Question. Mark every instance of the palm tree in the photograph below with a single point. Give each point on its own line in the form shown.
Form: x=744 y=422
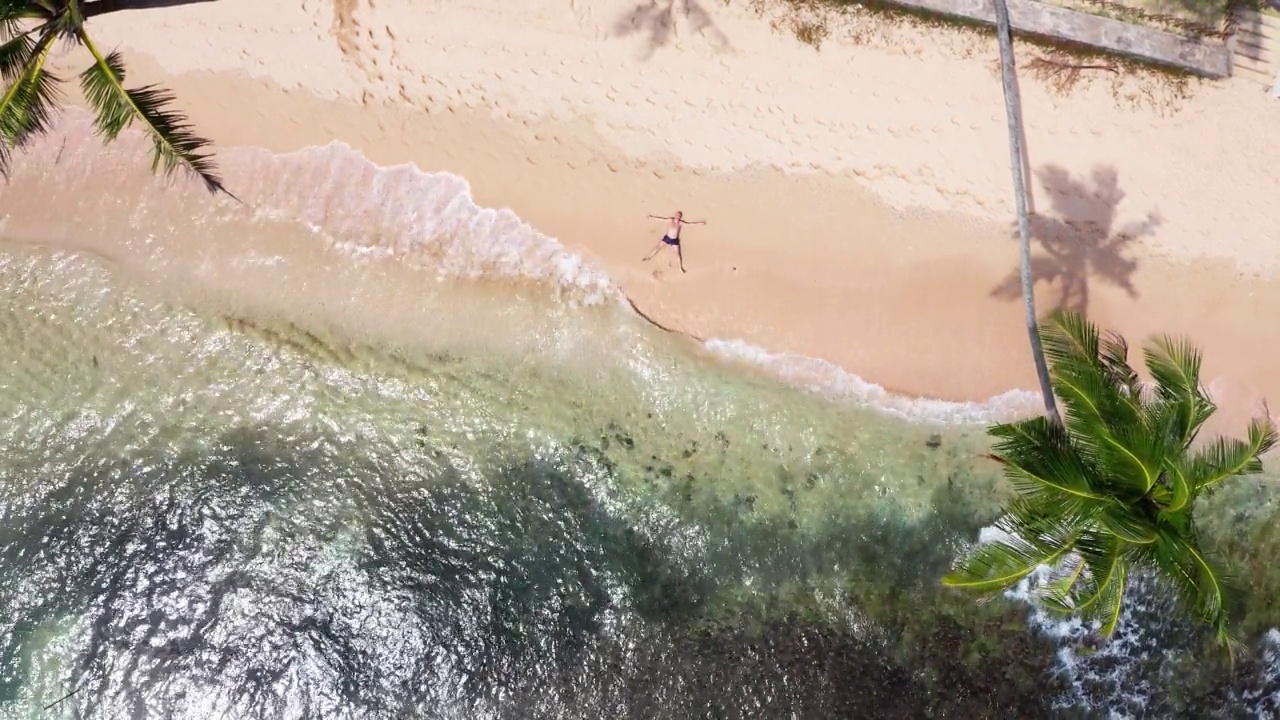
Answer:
x=29 y=30
x=1013 y=112
x=1112 y=489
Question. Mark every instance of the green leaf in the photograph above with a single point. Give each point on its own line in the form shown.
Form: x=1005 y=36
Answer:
x=1090 y=375
x=1037 y=457
x=1101 y=593
x=1112 y=598
x=175 y=144
x=1125 y=457
x=15 y=55
x=1225 y=458
x=1126 y=523
x=1048 y=517
x=1002 y=563
x=1201 y=586
x=1175 y=366
x=1174 y=363
x=13 y=12
x=1181 y=489
x=29 y=103
x=1136 y=451
x=1055 y=595
x=1113 y=353
x=1069 y=338
x=1084 y=389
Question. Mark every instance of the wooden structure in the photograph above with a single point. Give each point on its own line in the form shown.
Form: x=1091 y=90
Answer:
x=1255 y=48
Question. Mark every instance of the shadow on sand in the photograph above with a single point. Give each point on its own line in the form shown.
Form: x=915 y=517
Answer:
x=1082 y=244
x=102 y=7
x=656 y=21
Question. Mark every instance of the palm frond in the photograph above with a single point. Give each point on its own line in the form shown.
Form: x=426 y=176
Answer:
x=1084 y=389
x=1135 y=453
x=24 y=8
x=1099 y=593
x=1112 y=599
x=1225 y=458
x=1056 y=594
x=13 y=12
x=1038 y=457
x=1128 y=524
x=1002 y=563
x=1125 y=456
x=30 y=101
x=1069 y=338
x=1178 y=489
x=1049 y=519
x=15 y=55
x=175 y=144
x=1113 y=353
x=1090 y=374
x=1169 y=421
x=1201 y=586
x=1175 y=365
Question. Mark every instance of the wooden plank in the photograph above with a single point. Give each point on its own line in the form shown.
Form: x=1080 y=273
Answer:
x=1207 y=58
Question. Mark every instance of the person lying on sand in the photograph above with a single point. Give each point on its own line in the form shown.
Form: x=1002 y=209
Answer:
x=672 y=236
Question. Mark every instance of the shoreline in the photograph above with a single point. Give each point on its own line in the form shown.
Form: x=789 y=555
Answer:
x=797 y=258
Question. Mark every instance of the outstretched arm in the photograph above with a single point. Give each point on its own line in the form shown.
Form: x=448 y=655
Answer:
x=661 y=217
x=693 y=222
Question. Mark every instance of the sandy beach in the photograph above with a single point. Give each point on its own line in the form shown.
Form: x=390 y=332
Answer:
x=857 y=196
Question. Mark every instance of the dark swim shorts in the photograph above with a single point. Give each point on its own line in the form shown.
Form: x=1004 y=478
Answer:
x=670 y=241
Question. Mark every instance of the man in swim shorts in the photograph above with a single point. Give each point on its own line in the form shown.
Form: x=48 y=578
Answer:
x=672 y=236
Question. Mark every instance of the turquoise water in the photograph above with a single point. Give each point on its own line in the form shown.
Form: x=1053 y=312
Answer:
x=247 y=473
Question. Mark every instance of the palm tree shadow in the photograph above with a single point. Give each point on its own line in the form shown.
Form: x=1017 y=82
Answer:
x=1082 y=244
x=100 y=7
x=656 y=20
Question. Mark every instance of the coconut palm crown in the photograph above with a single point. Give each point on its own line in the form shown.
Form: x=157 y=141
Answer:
x=1113 y=487
x=29 y=30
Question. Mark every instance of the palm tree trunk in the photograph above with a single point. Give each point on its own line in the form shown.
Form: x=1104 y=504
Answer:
x=1012 y=106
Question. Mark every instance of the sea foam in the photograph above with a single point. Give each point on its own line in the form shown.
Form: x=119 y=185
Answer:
x=827 y=378
x=401 y=211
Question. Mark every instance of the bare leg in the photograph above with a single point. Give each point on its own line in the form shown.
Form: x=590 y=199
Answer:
x=680 y=254
x=653 y=252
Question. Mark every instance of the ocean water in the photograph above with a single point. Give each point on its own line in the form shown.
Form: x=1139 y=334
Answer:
x=361 y=449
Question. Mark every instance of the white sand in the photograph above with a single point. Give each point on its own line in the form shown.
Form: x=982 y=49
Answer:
x=724 y=90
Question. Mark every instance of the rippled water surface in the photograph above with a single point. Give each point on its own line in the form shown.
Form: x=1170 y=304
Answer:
x=200 y=519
